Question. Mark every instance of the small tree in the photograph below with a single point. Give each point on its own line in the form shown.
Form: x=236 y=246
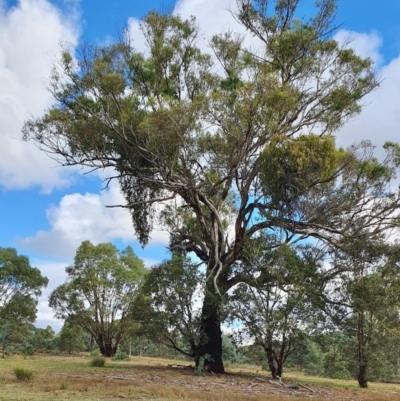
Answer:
x=170 y=304
x=99 y=291
x=71 y=338
x=42 y=339
x=20 y=286
x=366 y=297
x=274 y=305
x=6 y=335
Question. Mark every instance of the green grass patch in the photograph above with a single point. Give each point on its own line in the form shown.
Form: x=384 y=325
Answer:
x=23 y=374
x=98 y=362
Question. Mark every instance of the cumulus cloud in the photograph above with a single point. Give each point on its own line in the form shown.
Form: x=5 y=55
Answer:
x=379 y=120
x=365 y=44
x=55 y=272
x=212 y=16
x=80 y=217
x=30 y=37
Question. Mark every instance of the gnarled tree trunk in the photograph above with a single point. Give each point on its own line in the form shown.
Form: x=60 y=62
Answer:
x=210 y=347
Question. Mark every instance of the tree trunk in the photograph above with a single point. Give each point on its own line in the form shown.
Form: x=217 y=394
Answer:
x=107 y=349
x=210 y=347
x=110 y=350
x=362 y=376
x=279 y=369
x=271 y=363
x=362 y=352
x=362 y=367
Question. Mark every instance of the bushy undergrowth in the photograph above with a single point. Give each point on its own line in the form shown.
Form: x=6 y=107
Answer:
x=22 y=374
x=98 y=361
x=27 y=349
x=121 y=356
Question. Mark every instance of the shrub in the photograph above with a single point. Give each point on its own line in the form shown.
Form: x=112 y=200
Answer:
x=10 y=350
x=121 y=356
x=334 y=365
x=23 y=375
x=95 y=352
x=27 y=349
x=98 y=362
x=202 y=365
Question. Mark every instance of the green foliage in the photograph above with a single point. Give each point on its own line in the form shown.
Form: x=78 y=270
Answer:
x=23 y=374
x=369 y=287
x=98 y=294
x=314 y=360
x=71 y=338
x=121 y=356
x=291 y=166
x=335 y=366
x=98 y=362
x=253 y=354
x=166 y=308
x=230 y=353
x=202 y=365
x=275 y=302
x=20 y=286
x=6 y=335
x=27 y=349
x=95 y=352
x=42 y=339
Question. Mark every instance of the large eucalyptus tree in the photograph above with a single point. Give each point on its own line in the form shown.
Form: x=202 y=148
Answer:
x=178 y=124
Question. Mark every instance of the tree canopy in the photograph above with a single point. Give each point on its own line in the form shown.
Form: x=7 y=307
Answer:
x=364 y=299
x=20 y=286
x=169 y=305
x=99 y=291
x=276 y=304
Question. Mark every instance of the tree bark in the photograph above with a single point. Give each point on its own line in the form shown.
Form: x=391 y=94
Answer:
x=271 y=362
x=279 y=369
x=362 y=376
x=108 y=350
x=362 y=353
x=210 y=347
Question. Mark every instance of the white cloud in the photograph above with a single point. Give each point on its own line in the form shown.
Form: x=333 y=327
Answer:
x=55 y=272
x=136 y=36
x=379 y=120
x=85 y=217
x=30 y=38
x=365 y=44
x=212 y=16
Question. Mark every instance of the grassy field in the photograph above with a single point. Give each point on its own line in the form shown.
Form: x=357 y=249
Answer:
x=72 y=378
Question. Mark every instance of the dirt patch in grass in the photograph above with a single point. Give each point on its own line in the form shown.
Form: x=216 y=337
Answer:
x=72 y=378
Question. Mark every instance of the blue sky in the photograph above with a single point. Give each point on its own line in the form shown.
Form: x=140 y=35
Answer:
x=45 y=210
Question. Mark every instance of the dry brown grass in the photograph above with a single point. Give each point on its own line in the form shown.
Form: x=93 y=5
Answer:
x=71 y=378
